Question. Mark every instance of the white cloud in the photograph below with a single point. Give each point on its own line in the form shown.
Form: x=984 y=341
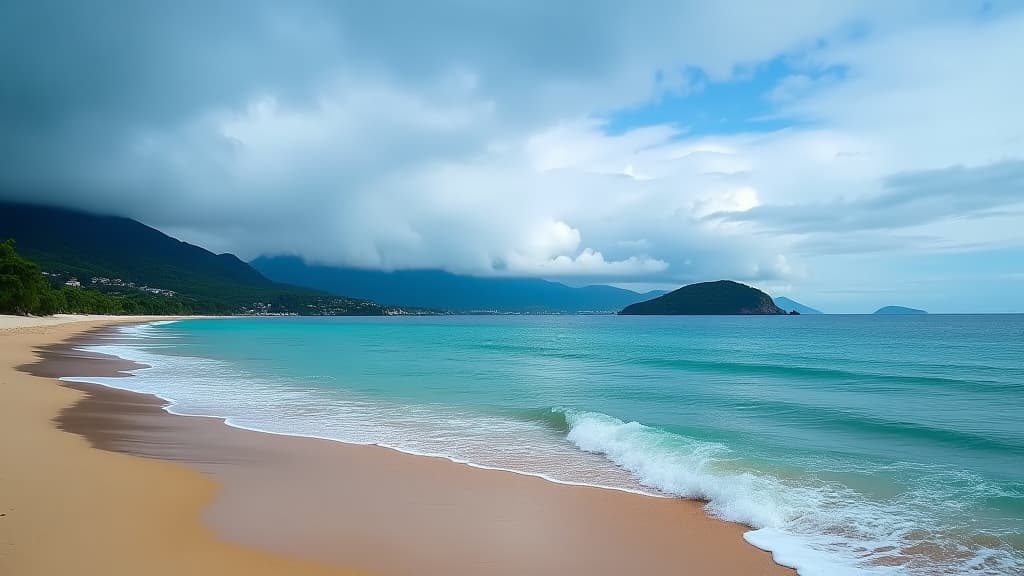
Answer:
x=586 y=263
x=740 y=199
x=946 y=99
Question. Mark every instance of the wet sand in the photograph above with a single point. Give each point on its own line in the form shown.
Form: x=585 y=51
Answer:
x=379 y=511
x=67 y=508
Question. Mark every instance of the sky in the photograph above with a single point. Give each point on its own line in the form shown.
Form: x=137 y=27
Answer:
x=848 y=155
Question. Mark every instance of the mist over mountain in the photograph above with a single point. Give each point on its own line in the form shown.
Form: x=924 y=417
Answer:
x=117 y=254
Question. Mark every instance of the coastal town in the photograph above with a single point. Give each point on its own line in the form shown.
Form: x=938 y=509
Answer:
x=104 y=282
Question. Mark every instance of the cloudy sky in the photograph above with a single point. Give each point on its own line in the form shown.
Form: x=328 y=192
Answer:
x=848 y=155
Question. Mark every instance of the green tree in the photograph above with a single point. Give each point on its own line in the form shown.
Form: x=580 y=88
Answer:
x=23 y=290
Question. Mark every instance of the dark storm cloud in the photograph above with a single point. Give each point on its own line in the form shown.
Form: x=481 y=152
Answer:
x=453 y=134
x=346 y=132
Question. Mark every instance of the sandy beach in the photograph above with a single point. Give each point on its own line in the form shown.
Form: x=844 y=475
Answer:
x=100 y=481
x=70 y=509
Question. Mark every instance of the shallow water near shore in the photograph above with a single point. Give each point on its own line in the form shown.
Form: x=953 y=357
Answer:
x=850 y=444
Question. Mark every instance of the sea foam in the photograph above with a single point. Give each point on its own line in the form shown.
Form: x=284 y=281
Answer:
x=694 y=469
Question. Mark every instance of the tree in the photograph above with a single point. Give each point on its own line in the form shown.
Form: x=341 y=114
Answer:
x=23 y=290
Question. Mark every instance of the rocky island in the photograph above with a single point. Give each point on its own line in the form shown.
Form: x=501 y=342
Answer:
x=723 y=297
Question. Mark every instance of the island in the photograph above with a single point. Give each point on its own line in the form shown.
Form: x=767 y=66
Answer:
x=723 y=297
x=898 y=310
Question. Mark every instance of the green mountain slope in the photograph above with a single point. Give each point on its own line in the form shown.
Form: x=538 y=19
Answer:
x=125 y=256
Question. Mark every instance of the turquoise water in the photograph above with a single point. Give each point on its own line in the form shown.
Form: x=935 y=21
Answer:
x=850 y=444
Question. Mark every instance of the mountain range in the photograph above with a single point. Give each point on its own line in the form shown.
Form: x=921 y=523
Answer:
x=116 y=254
x=446 y=291
x=119 y=255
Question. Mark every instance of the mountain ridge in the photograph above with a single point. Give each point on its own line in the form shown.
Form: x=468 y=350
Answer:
x=126 y=255
x=448 y=291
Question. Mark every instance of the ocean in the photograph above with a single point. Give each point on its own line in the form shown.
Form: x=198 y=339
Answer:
x=849 y=444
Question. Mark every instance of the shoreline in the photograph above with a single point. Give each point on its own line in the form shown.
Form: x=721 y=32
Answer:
x=67 y=508
x=380 y=510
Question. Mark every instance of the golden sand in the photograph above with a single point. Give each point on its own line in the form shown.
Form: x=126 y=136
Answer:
x=71 y=509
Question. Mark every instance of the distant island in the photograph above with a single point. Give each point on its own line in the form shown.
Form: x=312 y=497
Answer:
x=723 y=297
x=790 y=304
x=898 y=310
